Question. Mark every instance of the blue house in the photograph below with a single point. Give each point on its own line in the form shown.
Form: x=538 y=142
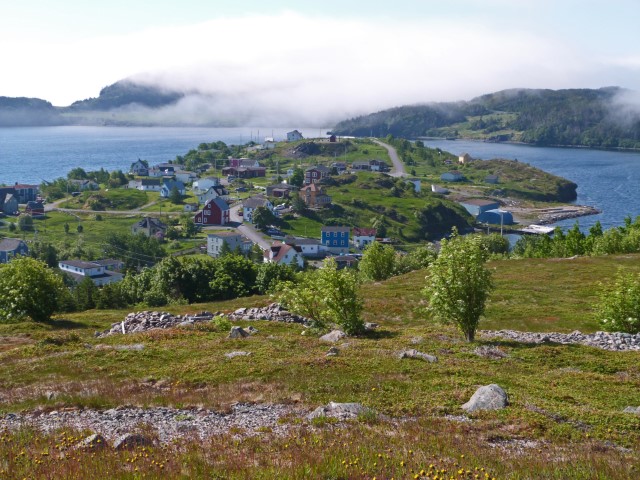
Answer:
x=168 y=185
x=453 y=176
x=496 y=217
x=10 y=247
x=335 y=239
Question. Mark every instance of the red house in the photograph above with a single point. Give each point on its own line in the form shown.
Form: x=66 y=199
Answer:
x=215 y=212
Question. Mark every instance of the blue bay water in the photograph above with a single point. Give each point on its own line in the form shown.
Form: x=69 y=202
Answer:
x=33 y=154
x=607 y=180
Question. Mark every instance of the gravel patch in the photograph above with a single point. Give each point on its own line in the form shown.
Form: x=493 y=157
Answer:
x=605 y=340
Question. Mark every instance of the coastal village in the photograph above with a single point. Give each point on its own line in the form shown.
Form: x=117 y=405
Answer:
x=237 y=206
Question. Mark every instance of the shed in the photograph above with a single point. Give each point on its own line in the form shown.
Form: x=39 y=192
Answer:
x=476 y=206
x=496 y=217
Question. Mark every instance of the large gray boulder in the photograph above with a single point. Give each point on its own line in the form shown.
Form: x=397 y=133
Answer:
x=238 y=332
x=489 y=397
x=341 y=411
x=413 y=353
x=333 y=336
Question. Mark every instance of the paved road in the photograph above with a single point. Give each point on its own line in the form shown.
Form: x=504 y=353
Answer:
x=398 y=167
x=246 y=229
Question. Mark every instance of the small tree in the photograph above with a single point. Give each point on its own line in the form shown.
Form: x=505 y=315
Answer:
x=618 y=308
x=262 y=217
x=25 y=223
x=297 y=178
x=66 y=227
x=85 y=294
x=29 y=288
x=378 y=262
x=80 y=228
x=174 y=195
x=459 y=284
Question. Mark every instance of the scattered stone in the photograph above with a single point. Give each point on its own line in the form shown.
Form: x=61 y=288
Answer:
x=274 y=313
x=252 y=330
x=487 y=351
x=131 y=440
x=369 y=326
x=92 y=442
x=333 y=351
x=237 y=354
x=488 y=397
x=135 y=347
x=417 y=340
x=238 y=332
x=634 y=410
x=616 y=341
x=341 y=411
x=333 y=336
x=49 y=395
x=413 y=353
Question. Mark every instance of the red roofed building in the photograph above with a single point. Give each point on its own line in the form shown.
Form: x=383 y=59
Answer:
x=363 y=236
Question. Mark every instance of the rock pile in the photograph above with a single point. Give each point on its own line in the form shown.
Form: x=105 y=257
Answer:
x=413 y=353
x=341 y=411
x=274 y=312
x=149 y=320
x=603 y=340
x=119 y=425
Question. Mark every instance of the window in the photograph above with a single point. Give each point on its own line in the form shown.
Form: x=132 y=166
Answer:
x=335 y=242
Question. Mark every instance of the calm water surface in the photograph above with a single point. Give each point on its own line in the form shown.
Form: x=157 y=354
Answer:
x=33 y=154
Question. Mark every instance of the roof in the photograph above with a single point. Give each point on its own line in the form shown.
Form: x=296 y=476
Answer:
x=364 y=232
x=305 y=241
x=80 y=264
x=336 y=229
x=173 y=183
x=320 y=168
x=146 y=222
x=480 y=202
x=255 y=202
x=150 y=181
x=280 y=250
x=23 y=186
x=312 y=187
x=226 y=233
x=218 y=202
x=453 y=172
x=108 y=261
x=10 y=244
x=31 y=205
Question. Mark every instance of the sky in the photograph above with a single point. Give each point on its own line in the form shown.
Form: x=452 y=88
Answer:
x=330 y=58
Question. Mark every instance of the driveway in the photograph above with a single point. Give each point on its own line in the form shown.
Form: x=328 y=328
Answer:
x=398 y=167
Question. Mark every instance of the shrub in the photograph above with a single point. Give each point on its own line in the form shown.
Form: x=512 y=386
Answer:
x=619 y=304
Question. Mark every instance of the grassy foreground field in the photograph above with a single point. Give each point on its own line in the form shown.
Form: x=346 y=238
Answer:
x=565 y=419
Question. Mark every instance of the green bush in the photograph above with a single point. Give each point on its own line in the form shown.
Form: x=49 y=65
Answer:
x=619 y=304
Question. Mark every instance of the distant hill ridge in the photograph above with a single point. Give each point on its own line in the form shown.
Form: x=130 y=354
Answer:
x=573 y=117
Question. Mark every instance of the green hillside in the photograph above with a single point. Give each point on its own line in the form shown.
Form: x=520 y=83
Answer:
x=573 y=117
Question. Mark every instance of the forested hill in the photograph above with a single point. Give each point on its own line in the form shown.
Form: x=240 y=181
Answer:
x=576 y=117
x=22 y=111
x=125 y=93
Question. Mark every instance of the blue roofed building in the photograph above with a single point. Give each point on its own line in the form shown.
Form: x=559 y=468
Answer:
x=495 y=217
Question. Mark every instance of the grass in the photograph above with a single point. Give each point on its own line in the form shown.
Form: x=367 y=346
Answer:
x=565 y=419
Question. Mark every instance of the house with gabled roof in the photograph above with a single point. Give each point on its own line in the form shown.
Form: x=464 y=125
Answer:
x=314 y=197
x=294 y=136
x=316 y=174
x=213 y=192
x=362 y=237
x=284 y=254
x=26 y=193
x=35 y=209
x=139 y=168
x=335 y=239
x=12 y=247
x=233 y=239
x=8 y=201
x=251 y=203
x=214 y=212
x=168 y=185
x=99 y=274
x=149 y=226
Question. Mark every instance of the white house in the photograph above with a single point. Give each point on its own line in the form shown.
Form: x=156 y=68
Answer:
x=146 y=184
x=211 y=193
x=185 y=176
x=139 y=168
x=234 y=240
x=464 y=158
x=309 y=247
x=201 y=185
x=362 y=237
x=251 y=203
x=294 y=136
x=98 y=271
x=168 y=185
x=284 y=254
